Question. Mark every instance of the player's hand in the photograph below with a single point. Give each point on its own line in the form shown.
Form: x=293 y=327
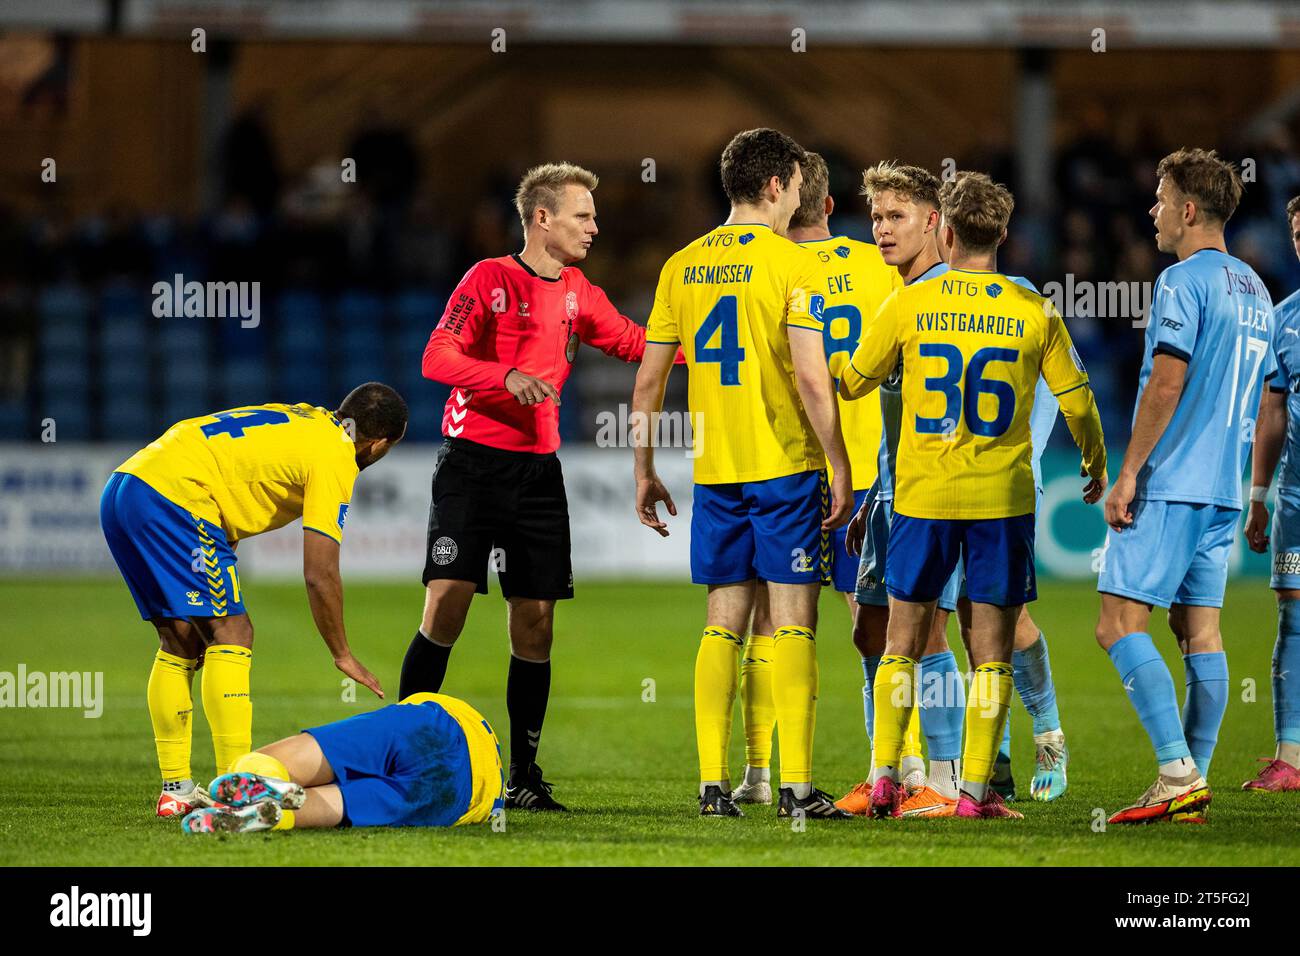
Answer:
x=649 y=492
x=529 y=390
x=1093 y=489
x=856 y=533
x=1121 y=495
x=1257 y=527
x=841 y=503
x=357 y=671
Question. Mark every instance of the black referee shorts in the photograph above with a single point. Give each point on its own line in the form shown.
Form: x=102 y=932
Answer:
x=501 y=509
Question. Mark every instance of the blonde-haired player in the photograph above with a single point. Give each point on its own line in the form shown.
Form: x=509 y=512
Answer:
x=973 y=344
x=853 y=280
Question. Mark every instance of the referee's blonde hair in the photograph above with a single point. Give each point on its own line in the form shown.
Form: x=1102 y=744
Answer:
x=542 y=186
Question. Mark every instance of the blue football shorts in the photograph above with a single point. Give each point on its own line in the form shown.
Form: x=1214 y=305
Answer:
x=997 y=555
x=762 y=529
x=175 y=563
x=870 y=584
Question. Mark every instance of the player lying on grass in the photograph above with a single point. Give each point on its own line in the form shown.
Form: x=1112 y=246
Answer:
x=1277 y=435
x=853 y=281
x=428 y=761
x=973 y=344
x=1177 y=498
x=739 y=302
x=172 y=515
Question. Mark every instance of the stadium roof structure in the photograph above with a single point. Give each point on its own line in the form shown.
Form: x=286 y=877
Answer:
x=1001 y=23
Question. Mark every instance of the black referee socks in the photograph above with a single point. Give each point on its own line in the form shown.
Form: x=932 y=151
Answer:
x=423 y=668
x=528 y=687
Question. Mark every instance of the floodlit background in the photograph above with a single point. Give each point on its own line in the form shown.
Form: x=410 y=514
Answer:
x=136 y=150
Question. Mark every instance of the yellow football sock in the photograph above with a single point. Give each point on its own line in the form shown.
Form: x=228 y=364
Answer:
x=286 y=820
x=171 y=709
x=986 y=713
x=912 y=736
x=894 y=700
x=794 y=693
x=756 y=699
x=226 y=702
x=716 y=674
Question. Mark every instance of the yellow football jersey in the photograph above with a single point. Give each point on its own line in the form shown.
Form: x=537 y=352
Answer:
x=727 y=298
x=973 y=345
x=854 y=281
x=255 y=468
x=484 y=756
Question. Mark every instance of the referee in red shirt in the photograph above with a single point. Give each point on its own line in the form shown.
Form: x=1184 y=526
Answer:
x=506 y=344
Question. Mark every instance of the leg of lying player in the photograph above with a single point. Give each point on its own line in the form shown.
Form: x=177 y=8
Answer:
x=992 y=636
x=528 y=689
x=894 y=697
x=1033 y=679
x=716 y=668
x=1179 y=786
x=870 y=624
x=794 y=693
x=1283 y=771
x=431 y=760
x=171 y=710
x=446 y=605
x=941 y=704
x=758 y=713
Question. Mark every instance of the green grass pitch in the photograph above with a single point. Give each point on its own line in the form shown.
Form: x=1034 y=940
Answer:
x=77 y=791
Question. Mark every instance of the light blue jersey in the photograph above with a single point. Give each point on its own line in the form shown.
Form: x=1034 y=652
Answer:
x=1286 y=346
x=1214 y=312
x=1041 y=421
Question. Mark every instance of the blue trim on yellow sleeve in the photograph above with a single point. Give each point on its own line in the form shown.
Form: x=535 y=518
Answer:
x=1073 y=388
x=663 y=342
x=338 y=540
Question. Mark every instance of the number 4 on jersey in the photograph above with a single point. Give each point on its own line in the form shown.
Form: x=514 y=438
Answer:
x=723 y=320
x=234 y=423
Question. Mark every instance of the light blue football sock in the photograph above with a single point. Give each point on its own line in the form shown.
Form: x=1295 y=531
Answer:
x=1204 y=707
x=869 y=665
x=1032 y=675
x=1004 y=748
x=943 y=705
x=1286 y=673
x=943 y=697
x=1151 y=692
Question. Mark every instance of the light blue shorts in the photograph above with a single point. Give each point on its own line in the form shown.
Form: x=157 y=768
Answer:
x=1285 y=537
x=1175 y=552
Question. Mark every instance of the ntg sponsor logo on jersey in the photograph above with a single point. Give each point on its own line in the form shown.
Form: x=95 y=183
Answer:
x=208 y=300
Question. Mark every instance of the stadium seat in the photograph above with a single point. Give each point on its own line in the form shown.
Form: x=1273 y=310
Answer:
x=243 y=382
x=129 y=418
x=64 y=375
x=71 y=415
x=16 y=424
x=417 y=310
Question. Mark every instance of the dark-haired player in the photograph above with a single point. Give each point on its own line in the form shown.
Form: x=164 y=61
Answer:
x=742 y=300
x=172 y=515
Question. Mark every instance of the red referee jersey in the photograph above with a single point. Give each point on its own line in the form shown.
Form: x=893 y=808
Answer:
x=504 y=316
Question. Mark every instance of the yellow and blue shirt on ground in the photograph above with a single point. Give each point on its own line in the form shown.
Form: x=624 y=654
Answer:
x=732 y=299
x=429 y=760
x=973 y=345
